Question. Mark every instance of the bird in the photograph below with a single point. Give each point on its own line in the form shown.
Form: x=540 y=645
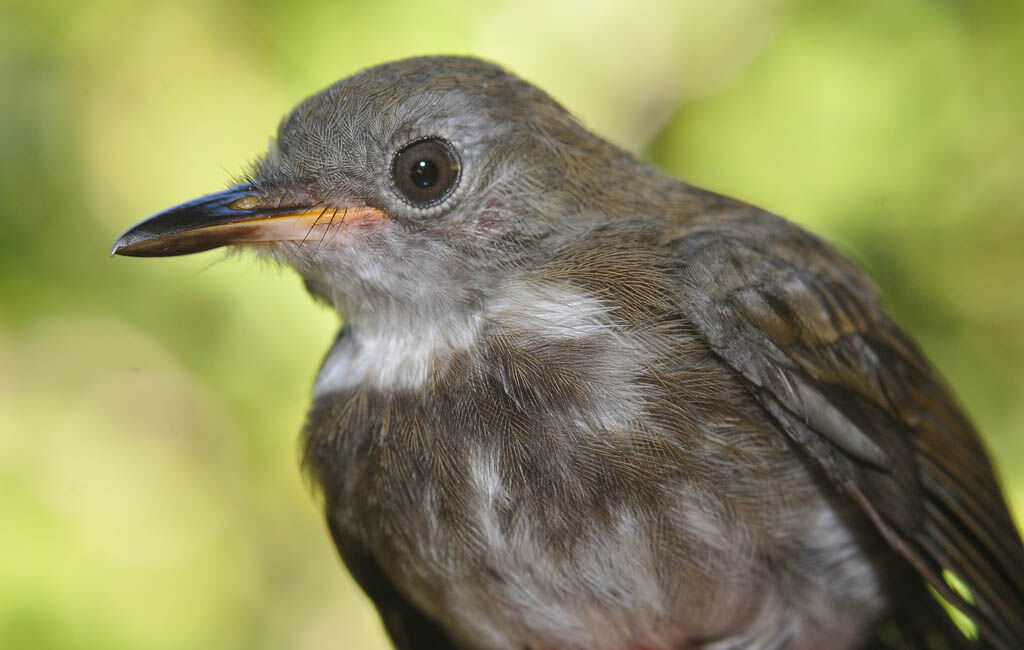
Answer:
x=577 y=403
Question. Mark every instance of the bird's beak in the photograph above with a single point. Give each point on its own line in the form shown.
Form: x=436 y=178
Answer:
x=236 y=215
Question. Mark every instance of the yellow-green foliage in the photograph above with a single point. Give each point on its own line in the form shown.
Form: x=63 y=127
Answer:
x=149 y=487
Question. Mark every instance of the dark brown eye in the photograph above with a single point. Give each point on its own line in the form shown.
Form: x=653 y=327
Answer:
x=425 y=172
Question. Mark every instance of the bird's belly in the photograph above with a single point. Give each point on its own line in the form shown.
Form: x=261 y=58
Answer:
x=619 y=586
x=519 y=594
x=513 y=585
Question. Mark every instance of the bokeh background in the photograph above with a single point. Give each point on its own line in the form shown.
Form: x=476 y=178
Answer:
x=149 y=489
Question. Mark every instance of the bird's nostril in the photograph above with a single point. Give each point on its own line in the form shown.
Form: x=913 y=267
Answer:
x=247 y=202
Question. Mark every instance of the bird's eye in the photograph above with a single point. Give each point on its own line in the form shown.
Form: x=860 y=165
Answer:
x=425 y=172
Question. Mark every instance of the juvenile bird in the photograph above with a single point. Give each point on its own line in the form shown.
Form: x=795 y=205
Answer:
x=576 y=403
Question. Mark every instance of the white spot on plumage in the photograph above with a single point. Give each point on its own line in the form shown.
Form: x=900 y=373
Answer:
x=392 y=357
x=547 y=310
x=486 y=480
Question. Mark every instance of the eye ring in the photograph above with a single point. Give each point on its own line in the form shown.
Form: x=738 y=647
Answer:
x=426 y=172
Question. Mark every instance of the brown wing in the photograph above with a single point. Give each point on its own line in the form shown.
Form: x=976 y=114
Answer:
x=805 y=330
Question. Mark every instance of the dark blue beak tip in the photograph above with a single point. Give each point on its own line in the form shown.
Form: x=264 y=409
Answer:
x=173 y=231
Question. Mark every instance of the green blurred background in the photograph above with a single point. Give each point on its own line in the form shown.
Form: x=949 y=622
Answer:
x=149 y=489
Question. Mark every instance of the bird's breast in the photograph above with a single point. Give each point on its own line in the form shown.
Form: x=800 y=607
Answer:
x=558 y=479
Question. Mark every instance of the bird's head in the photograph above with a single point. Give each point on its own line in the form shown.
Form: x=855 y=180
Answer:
x=421 y=182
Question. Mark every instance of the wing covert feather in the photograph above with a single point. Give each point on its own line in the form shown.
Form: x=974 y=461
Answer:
x=804 y=328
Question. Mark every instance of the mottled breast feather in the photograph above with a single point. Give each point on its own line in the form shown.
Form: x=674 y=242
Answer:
x=569 y=479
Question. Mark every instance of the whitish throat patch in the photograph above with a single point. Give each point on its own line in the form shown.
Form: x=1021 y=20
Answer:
x=402 y=353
